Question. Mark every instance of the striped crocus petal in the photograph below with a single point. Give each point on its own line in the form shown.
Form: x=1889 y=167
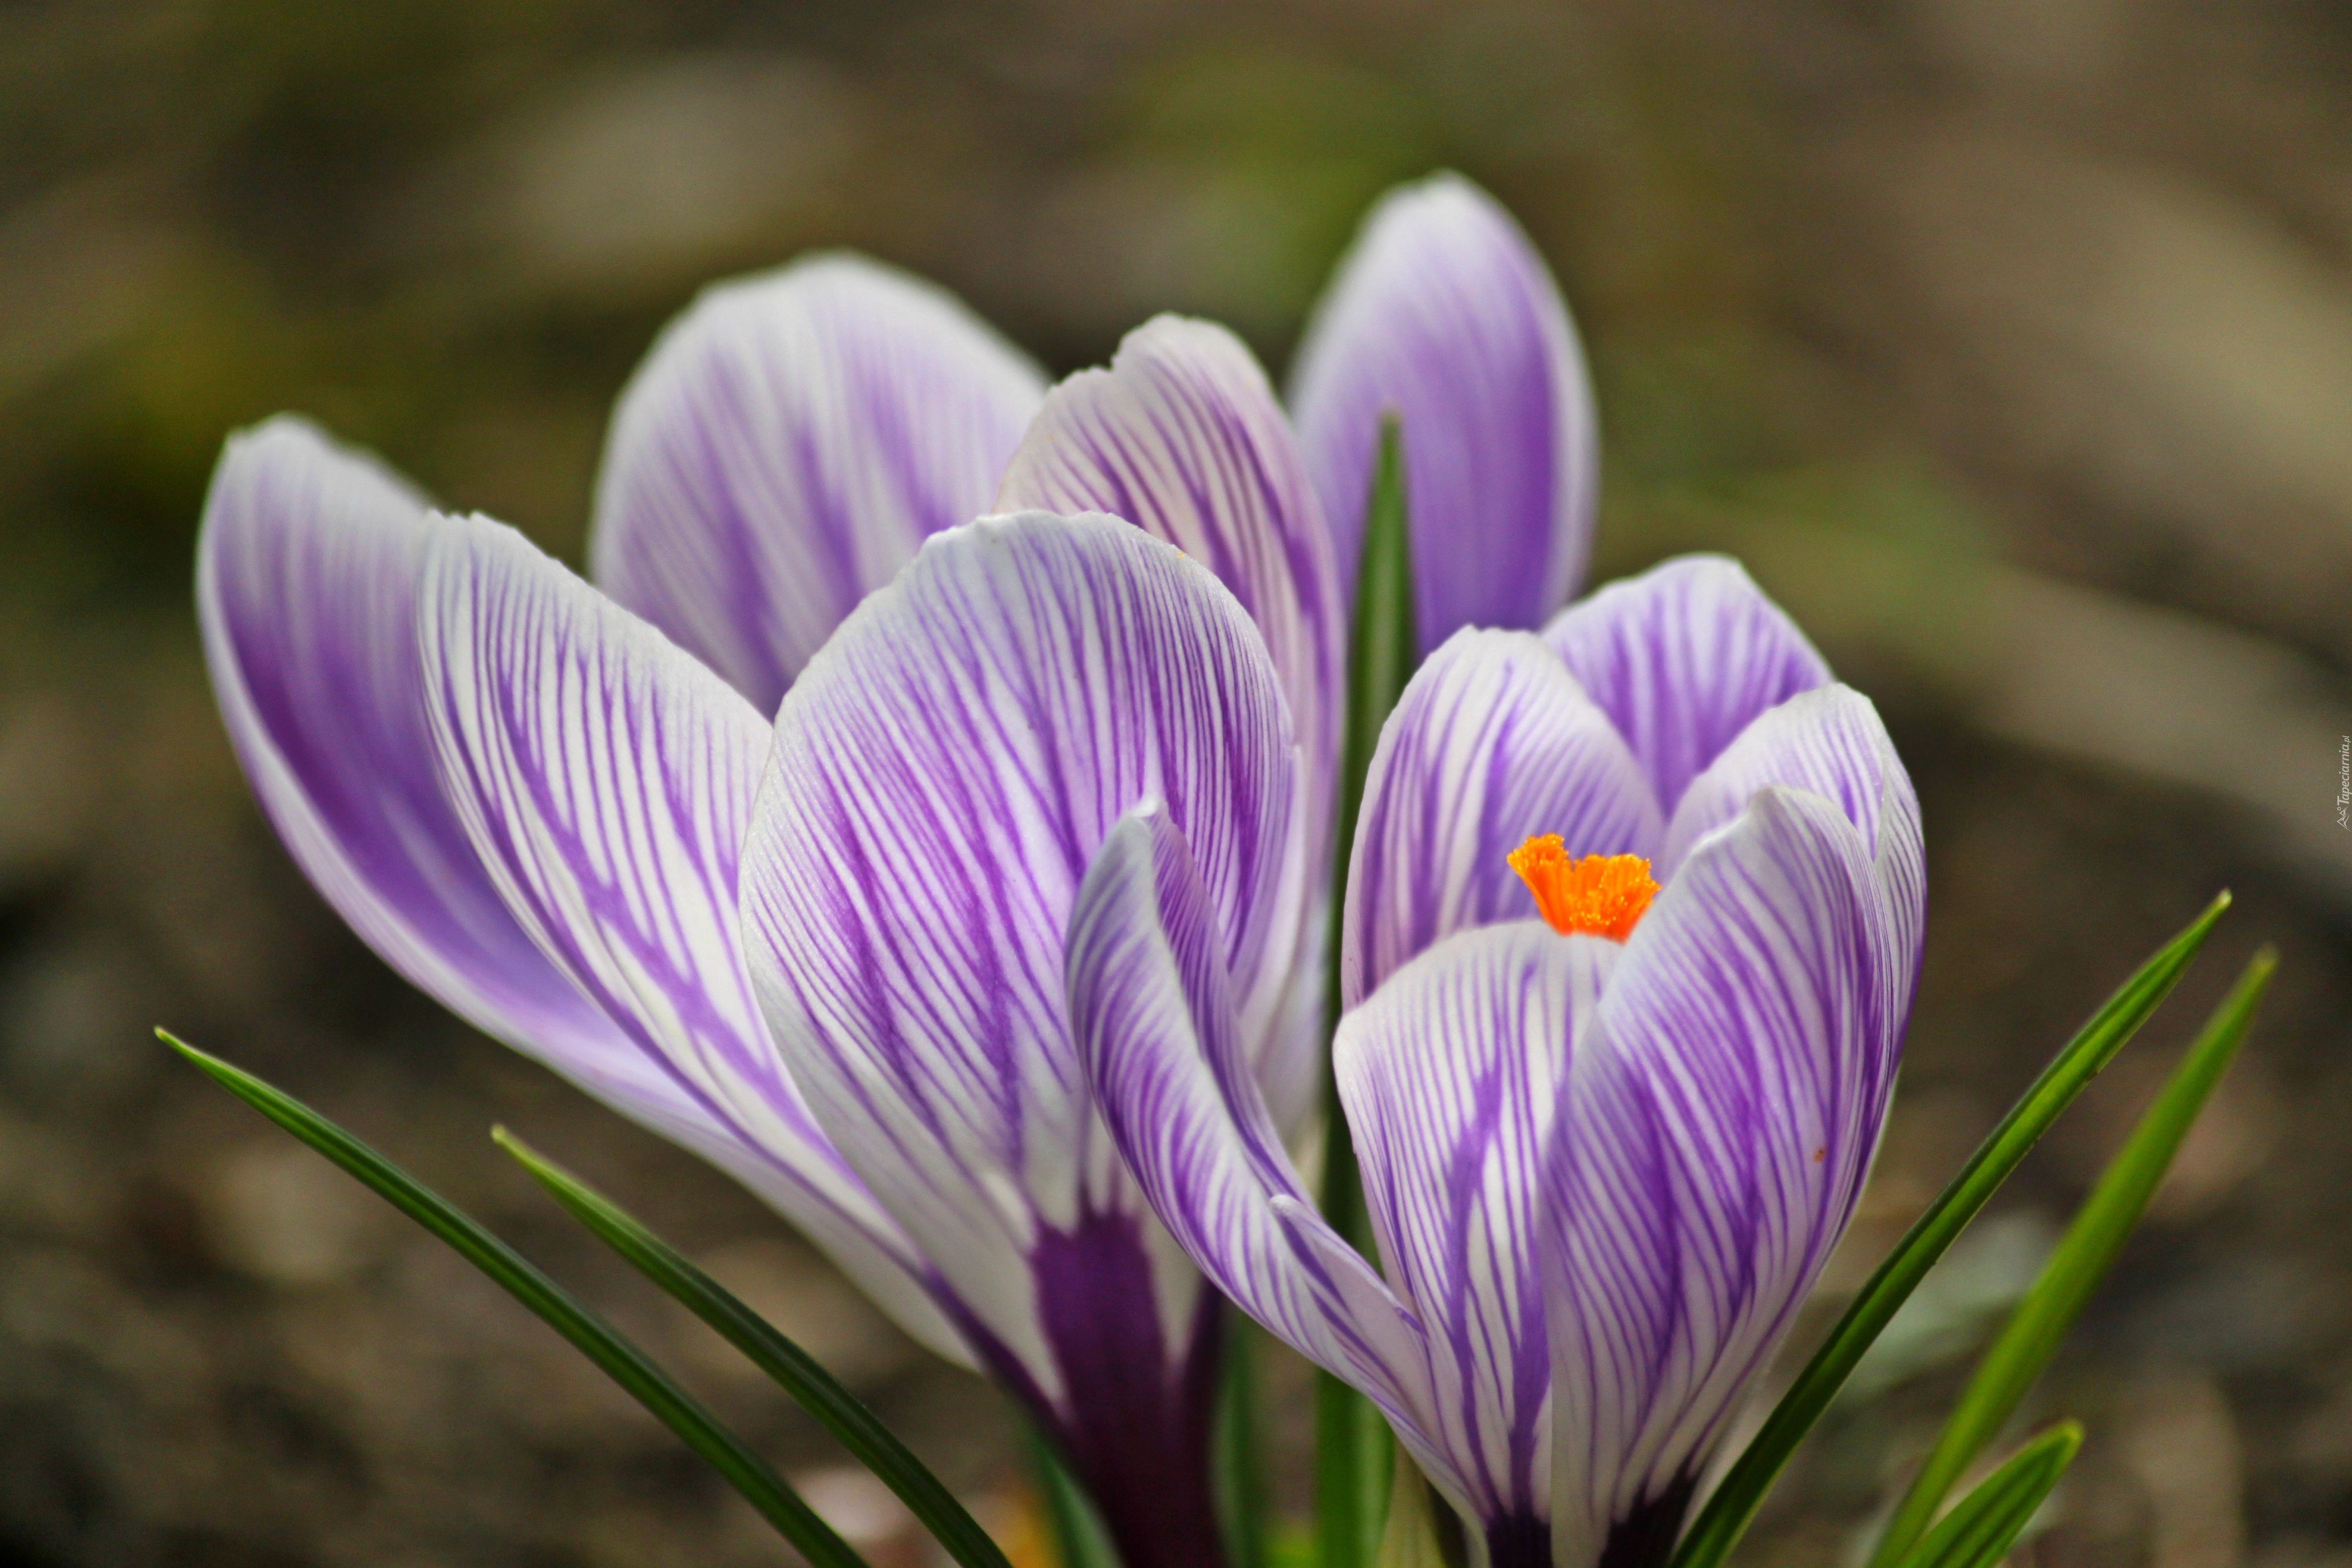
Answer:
x=1710 y=1143
x=1493 y=742
x=1152 y=1009
x=1182 y=436
x=1682 y=659
x=1450 y=1075
x=1831 y=741
x=788 y=442
x=941 y=776
x=1445 y=316
x=306 y=586
x=605 y=780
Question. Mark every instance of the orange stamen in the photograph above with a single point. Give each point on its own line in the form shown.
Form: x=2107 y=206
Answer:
x=1605 y=896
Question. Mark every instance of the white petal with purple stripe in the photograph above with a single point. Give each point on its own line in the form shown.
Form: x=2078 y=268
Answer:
x=784 y=449
x=1712 y=1139
x=1151 y=1008
x=605 y=778
x=1444 y=315
x=1182 y=437
x=306 y=590
x=1450 y=1075
x=1831 y=741
x=941 y=776
x=1682 y=659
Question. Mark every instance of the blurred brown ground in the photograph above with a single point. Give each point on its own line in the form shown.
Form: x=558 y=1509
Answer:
x=2010 y=341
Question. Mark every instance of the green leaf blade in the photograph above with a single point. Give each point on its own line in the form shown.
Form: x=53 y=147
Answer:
x=1982 y=1528
x=1351 y=1441
x=1239 y=1456
x=611 y=1351
x=792 y=1369
x=1734 y=1503
x=1384 y=637
x=2106 y=1218
x=1080 y=1539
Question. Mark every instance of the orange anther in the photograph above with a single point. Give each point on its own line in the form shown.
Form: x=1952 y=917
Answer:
x=1605 y=896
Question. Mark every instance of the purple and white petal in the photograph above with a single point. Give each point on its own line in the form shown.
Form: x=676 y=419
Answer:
x=1902 y=864
x=306 y=587
x=1152 y=1009
x=1682 y=659
x=787 y=445
x=1182 y=436
x=1450 y=1075
x=605 y=780
x=1444 y=315
x=1712 y=1139
x=941 y=776
x=1493 y=742
x=1829 y=740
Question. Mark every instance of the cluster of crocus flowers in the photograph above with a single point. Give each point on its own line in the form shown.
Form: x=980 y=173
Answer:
x=926 y=816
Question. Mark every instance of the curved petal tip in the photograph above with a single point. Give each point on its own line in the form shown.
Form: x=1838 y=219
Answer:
x=1445 y=315
x=789 y=442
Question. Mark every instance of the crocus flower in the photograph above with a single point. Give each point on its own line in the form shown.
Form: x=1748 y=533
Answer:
x=536 y=799
x=1606 y=1150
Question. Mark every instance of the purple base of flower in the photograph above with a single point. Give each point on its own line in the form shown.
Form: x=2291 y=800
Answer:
x=1518 y=1541
x=1137 y=1438
x=1645 y=1537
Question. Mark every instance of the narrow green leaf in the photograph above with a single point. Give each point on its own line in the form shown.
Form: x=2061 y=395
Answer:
x=1240 y=1461
x=2106 y=1218
x=1984 y=1525
x=1351 y=1453
x=621 y=1360
x=1385 y=640
x=1352 y=1446
x=1727 y=1513
x=811 y=1387
x=1080 y=1540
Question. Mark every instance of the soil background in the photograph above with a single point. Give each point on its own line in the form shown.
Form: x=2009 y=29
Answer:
x=2010 y=342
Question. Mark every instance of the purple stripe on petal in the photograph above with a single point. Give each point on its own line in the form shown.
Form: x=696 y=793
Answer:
x=1153 y=1011
x=941 y=776
x=605 y=778
x=1711 y=1142
x=787 y=445
x=1445 y=315
x=1493 y=742
x=1682 y=659
x=1450 y=1075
